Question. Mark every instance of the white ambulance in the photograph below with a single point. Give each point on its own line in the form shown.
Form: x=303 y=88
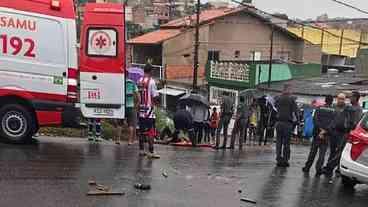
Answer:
x=43 y=74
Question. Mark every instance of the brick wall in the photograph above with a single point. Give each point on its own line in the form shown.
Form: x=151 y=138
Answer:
x=182 y=71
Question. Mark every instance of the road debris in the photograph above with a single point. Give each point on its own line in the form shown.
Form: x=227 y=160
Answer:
x=164 y=173
x=102 y=188
x=140 y=186
x=92 y=182
x=248 y=200
x=103 y=193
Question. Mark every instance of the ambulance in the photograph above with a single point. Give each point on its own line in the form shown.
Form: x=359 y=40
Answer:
x=46 y=77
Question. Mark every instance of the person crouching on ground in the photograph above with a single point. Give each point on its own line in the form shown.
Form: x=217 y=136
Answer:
x=183 y=121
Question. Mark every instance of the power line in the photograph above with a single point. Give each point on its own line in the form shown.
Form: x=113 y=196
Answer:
x=295 y=22
x=350 y=6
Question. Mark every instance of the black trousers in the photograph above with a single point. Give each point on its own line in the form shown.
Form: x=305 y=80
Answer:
x=284 y=131
x=224 y=124
x=198 y=131
x=239 y=130
x=318 y=146
x=337 y=146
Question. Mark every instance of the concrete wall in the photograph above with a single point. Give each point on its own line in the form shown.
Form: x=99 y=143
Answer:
x=240 y=32
x=246 y=34
x=312 y=53
x=178 y=54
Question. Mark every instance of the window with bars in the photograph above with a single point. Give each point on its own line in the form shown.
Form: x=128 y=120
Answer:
x=216 y=95
x=229 y=71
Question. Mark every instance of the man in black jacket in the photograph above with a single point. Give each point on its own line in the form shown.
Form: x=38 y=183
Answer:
x=340 y=126
x=286 y=111
x=183 y=120
x=322 y=118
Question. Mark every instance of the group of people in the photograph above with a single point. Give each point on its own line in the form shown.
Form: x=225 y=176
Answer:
x=141 y=99
x=332 y=124
x=200 y=123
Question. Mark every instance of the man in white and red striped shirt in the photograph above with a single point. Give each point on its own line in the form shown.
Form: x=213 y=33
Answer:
x=148 y=96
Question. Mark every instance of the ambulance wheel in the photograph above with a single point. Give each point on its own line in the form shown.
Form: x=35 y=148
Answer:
x=16 y=124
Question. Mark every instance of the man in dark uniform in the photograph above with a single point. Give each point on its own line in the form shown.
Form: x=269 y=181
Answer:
x=322 y=118
x=286 y=111
x=241 y=122
x=339 y=128
x=227 y=108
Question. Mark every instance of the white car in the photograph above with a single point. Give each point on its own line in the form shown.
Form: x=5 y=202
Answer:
x=354 y=160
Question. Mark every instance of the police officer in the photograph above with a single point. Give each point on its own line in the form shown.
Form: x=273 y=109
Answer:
x=286 y=111
x=322 y=118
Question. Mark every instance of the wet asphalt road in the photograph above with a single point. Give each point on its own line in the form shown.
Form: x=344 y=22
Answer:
x=55 y=172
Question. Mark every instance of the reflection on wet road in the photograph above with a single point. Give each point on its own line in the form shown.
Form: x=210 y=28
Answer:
x=55 y=172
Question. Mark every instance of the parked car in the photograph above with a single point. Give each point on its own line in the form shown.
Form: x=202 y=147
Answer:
x=354 y=160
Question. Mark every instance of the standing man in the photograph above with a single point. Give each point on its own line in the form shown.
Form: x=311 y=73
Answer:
x=227 y=108
x=356 y=108
x=340 y=127
x=322 y=118
x=200 y=114
x=286 y=111
x=347 y=117
x=148 y=99
x=241 y=122
x=132 y=104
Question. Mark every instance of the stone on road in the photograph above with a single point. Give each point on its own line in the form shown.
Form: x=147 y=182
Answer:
x=56 y=172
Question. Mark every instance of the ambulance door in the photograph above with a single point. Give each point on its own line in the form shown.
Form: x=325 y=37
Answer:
x=102 y=78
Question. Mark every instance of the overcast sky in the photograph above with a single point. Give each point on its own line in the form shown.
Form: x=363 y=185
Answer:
x=311 y=8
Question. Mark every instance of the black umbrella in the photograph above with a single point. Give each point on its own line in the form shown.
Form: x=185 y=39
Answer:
x=192 y=99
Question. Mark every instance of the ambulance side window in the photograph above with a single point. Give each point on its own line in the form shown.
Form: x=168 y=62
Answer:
x=102 y=42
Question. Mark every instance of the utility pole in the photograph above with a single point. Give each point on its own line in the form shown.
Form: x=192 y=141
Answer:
x=271 y=57
x=341 y=41
x=196 y=47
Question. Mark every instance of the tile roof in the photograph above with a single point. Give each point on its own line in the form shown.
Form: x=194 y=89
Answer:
x=155 y=37
x=175 y=27
x=205 y=17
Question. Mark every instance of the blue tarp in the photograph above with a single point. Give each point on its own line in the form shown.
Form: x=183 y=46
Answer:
x=308 y=123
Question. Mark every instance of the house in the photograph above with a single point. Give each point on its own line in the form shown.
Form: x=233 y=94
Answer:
x=339 y=46
x=242 y=33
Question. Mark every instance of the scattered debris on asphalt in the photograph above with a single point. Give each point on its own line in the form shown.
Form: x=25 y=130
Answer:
x=104 y=193
x=92 y=182
x=140 y=186
x=102 y=188
x=164 y=173
x=248 y=200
